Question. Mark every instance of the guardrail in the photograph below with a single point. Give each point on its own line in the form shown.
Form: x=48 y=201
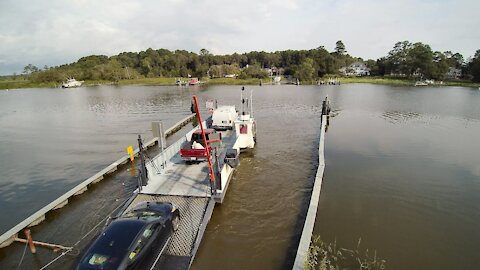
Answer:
x=173 y=149
x=8 y=237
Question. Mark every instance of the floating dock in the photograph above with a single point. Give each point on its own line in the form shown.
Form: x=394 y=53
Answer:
x=305 y=239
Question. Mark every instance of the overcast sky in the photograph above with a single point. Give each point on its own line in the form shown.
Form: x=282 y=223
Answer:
x=55 y=32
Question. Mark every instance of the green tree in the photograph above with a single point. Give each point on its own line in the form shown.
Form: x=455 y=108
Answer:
x=420 y=59
x=440 y=65
x=374 y=68
x=474 y=66
x=305 y=71
x=215 y=71
x=253 y=71
x=340 y=47
x=29 y=69
x=396 y=61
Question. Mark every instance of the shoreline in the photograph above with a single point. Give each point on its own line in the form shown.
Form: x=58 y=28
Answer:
x=167 y=81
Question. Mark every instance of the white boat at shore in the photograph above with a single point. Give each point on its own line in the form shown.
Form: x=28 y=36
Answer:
x=70 y=83
x=420 y=83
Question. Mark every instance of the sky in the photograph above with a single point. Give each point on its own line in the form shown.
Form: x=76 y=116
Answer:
x=55 y=32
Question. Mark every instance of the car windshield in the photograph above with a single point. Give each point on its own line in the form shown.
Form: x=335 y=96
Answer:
x=111 y=247
x=143 y=215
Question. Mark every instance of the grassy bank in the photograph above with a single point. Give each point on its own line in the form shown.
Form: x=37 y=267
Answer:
x=14 y=84
x=171 y=81
x=403 y=82
x=149 y=81
x=25 y=83
x=378 y=80
x=230 y=81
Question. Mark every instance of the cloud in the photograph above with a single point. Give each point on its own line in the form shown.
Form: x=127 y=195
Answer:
x=57 y=31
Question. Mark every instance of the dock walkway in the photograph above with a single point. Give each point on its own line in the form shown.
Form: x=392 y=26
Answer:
x=303 y=246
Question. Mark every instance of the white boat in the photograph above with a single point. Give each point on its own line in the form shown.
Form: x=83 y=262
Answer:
x=72 y=83
x=245 y=125
x=420 y=83
x=180 y=82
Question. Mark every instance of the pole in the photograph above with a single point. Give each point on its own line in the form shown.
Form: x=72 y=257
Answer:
x=143 y=169
x=52 y=246
x=30 y=241
x=212 y=176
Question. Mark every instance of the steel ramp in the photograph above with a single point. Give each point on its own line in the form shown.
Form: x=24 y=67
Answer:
x=194 y=215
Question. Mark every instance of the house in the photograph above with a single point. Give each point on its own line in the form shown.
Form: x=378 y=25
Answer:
x=453 y=73
x=356 y=69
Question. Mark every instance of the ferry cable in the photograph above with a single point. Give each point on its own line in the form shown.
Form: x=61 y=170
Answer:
x=153 y=163
x=141 y=151
x=78 y=242
x=161 y=253
x=23 y=256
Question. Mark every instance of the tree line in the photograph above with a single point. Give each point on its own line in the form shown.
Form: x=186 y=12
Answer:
x=406 y=59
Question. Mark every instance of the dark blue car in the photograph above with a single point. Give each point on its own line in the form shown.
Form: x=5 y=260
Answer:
x=133 y=240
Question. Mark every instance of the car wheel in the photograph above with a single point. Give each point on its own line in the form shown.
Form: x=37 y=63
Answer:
x=175 y=223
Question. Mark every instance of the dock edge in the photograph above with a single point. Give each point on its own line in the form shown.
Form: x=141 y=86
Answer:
x=304 y=245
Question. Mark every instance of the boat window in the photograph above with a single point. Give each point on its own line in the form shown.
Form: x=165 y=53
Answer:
x=243 y=129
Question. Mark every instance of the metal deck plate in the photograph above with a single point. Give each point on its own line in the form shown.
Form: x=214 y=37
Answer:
x=192 y=210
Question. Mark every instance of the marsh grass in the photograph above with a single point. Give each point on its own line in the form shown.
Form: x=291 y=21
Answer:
x=8 y=83
x=328 y=256
x=231 y=81
x=150 y=81
x=404 y=82
x=20 y=83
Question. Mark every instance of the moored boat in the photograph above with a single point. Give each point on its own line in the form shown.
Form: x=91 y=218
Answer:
x=421 y=83
x=72 y=83
x=245 y=125
x=194 y=81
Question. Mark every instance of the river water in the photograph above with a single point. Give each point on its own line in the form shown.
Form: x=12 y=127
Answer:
x=402 y=174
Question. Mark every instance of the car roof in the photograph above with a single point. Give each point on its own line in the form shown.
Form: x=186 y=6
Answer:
x=162 y=208
x=121 y=233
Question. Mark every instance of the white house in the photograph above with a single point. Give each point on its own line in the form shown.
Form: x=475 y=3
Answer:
x=453 y=73
x=356 y=69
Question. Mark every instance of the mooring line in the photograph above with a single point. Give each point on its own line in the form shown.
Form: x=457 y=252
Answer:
x=23 y=255
x=78 y=242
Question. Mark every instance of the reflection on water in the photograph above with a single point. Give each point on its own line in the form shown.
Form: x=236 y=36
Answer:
x=396 y=117
x=402 y=169
x=406 y=180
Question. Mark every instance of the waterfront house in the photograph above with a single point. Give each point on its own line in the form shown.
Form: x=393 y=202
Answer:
x=453 y=73
x=356 y=69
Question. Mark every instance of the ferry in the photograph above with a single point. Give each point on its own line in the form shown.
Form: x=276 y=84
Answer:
x=191 y=189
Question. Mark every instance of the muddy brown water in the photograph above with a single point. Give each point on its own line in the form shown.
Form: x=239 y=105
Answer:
x=402 y=170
